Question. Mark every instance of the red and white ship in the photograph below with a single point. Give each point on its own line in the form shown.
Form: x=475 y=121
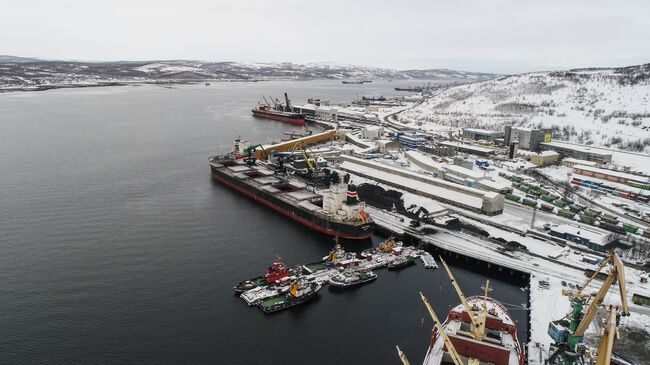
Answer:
x=278 y=111
x=477 y=331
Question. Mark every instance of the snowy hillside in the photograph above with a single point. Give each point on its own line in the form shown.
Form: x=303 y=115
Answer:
x=601 y=107
x=16 y=72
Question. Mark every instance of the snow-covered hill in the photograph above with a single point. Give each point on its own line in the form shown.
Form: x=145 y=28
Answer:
x=16 y=72
x=603 y=107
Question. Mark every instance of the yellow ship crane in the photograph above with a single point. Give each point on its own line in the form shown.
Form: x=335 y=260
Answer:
x=455 y=357
x=478 y=319
x=402 y=357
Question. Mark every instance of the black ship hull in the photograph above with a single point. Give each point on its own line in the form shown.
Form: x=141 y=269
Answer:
x=304 y=217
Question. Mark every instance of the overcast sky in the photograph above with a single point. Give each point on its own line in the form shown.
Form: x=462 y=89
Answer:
x=505 y=36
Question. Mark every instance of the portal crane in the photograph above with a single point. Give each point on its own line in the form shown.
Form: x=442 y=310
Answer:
x=569 y=332
x=478 y=319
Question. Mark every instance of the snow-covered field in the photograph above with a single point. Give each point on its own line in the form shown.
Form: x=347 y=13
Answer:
x=601 y=107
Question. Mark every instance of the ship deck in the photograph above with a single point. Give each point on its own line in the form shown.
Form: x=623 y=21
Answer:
x=289 y=190
x=498 y=344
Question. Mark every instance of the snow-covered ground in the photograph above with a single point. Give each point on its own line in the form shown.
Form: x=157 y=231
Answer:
x=605 y=107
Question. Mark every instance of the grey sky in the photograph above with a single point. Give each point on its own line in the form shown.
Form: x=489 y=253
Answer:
x=503 y=36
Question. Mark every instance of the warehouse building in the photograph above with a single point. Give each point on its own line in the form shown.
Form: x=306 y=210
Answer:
x=482 y=134
x=469 y=148
x=578 y=151
x=586 y=236
x=611 y=175
x=540 y=158
x=484 y=202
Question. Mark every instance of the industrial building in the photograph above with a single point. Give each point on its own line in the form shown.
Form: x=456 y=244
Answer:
x=610 y=175
x=482 y=134
x=484 y=202
x=410 y=140
x=586 y=236
x=578 y=151
x=458 y=173
x=539 y=158
x=528 y=138
x=570 y=162
x=468 y=148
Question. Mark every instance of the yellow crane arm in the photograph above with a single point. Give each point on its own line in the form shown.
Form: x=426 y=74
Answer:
x=596 y=272
x=402 y=357
x=617 y=273
x=604 y=352
x=479 y=324
x=304 y=155
x=620 y=271
x=441 y=331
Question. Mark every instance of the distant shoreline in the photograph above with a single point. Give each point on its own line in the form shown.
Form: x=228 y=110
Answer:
x=118 y=83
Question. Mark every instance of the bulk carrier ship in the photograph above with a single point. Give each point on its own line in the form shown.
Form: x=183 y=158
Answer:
x=335 y=211
x=275 y=110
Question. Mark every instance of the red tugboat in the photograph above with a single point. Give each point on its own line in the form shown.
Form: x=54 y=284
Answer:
x=273 y=274
x=279 y=112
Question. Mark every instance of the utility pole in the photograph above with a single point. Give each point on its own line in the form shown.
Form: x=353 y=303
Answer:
x=532 y=221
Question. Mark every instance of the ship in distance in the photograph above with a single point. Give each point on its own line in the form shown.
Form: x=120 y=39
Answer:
x=276 y=110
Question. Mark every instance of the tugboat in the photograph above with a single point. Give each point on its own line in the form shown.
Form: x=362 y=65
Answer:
x=272 y=275
x=337 y=257
x=400 y=262
x=350 y=278
x=386 y=246
x=300 y=291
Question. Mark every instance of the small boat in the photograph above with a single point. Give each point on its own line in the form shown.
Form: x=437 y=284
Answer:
x=276 y=272
x=350 y=278
x=300 y=291
x=352 y=82
x=401 y=262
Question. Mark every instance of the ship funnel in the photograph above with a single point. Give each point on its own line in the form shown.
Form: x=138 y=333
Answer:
x=352 y=196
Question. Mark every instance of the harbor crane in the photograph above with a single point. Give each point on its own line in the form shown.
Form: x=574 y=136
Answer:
x=568 y=333
x=455 y=357
x=477 y=329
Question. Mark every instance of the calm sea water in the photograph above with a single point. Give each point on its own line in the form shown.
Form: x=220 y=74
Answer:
x=116 y=247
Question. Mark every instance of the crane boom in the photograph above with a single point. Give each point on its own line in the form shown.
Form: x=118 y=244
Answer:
x=402 y=357
x=441 y=330
x=478 y=320
x=617 y=273
x=604 y=352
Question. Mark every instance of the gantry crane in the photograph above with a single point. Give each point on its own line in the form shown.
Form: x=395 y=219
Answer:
x=569 y=332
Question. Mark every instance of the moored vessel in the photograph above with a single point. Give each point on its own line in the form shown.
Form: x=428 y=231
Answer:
x=335 y=210
x=275 y=110
x=400 y=262
x=477 y=331
x=277 y=271
x=350 y=278
x=300 y=291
